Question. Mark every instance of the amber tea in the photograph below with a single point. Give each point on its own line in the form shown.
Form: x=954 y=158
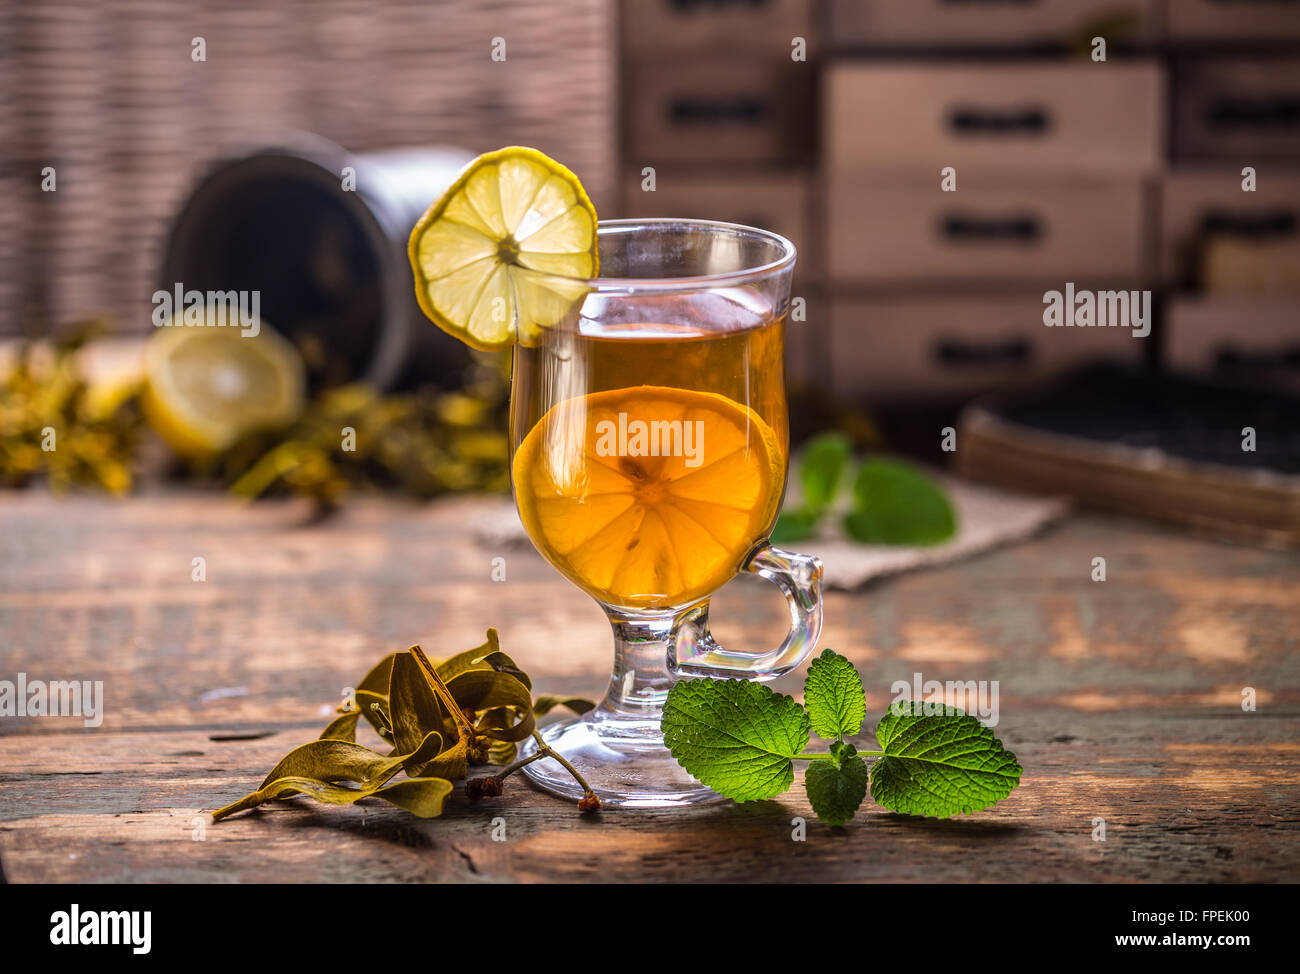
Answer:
x=650 y=457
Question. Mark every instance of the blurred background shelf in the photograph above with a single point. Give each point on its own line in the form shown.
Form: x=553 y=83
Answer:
x=1124 y=173
x=830 y=121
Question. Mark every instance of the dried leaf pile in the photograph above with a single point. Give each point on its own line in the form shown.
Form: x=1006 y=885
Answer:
x=58 y=428
x=423 y=444
x=55 y=426
x=438 y=718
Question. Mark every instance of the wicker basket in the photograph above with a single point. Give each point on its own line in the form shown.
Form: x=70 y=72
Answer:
x=107 y=92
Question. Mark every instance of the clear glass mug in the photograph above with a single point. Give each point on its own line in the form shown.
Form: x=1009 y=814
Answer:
x=649 y=443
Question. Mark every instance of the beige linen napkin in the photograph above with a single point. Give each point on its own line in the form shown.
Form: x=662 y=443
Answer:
x=987 y=518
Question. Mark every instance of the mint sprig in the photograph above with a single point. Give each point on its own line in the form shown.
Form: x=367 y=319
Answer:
x=742 y=739
x=836 y=787
x=939 y=763
x=833 y=694
x=823 y=462
x=737 y=737
x=893 y=502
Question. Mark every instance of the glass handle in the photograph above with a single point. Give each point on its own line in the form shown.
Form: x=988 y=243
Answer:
x=692 y=650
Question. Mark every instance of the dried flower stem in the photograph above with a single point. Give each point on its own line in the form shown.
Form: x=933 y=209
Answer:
x=521 y=763
x=444 y=695
x=589 y=803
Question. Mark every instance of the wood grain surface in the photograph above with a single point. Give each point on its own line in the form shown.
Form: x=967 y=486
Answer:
x=1121 y=698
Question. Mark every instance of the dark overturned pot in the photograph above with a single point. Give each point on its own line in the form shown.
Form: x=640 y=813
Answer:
x=330 y=262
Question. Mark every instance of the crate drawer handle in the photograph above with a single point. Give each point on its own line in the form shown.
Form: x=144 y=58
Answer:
x=1274 y=223
x=1231 y=357
x=742 y=109
x=970 y=120
x=1265 y=112
x=956 y=353
x=1016 y=228
x=715 y=6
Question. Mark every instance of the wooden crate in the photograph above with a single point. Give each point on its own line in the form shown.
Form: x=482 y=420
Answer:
x=1241 y=110
x=919 y=348
x=771 y=200
x=1046 y=119
x=1202 y=203
x=943 y=23
x=889 y=230
x=719 y=110
x=762 y=28
x=1237 y=339
x=1214 y=20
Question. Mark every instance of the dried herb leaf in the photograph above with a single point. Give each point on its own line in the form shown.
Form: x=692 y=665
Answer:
x=487 y=689
x=513 y=731
x=424 y=444
x=423 y=797
x=380 y=675
x=504 y=664
x=439 y=718
x=412 y=705
x=424 y=760
x=342 y=727
x=452 y=763
x=500 y=729
x=329 y=760
x=56 y=426
x=324 y=763
x=470 y=659
x=502 y=752
x=544 y=703
x=456 y=712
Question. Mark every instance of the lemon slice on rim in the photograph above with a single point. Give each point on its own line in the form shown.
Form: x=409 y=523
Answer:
x=206 y=387
x=503 y=253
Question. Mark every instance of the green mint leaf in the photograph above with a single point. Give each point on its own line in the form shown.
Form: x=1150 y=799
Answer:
x=822 y=463
x=794 y=524
x=894 y=503
x=939 y=764
x=833 y=694
x=840 y=750
x=824 y=459
x=735 y=736
x=837 y=788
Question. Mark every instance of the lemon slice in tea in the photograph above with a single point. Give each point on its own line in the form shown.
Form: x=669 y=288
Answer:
x=496 y=256
x=206 y=387
x=641 y=530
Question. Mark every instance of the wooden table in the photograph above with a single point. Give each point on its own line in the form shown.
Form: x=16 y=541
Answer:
x=1121 y=698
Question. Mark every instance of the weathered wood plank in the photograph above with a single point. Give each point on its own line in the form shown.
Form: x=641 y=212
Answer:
x=1178 y=812
x=1121 y=698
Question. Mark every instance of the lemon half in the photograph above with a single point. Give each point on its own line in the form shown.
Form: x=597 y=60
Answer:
x=206 y=386
x=502 y=255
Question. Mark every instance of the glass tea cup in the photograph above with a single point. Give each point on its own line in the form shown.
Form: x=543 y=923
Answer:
x=649 y=445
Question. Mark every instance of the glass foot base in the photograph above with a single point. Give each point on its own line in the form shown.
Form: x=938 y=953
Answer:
x=624 y=761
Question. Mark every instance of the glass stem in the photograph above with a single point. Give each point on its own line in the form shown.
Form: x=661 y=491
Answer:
x=641 y=679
